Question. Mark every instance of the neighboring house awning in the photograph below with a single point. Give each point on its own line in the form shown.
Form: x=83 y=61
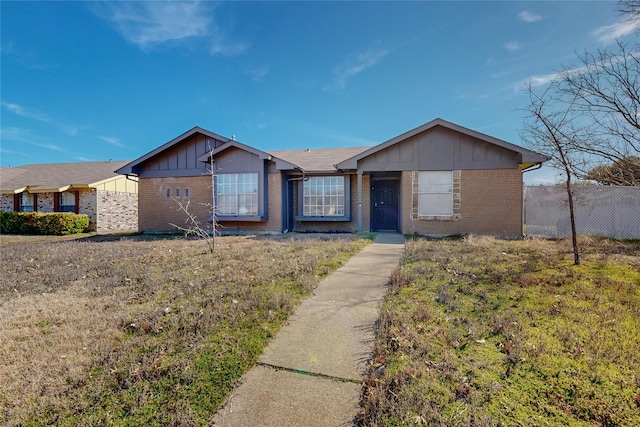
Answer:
x=57 y=177
x=529 y=158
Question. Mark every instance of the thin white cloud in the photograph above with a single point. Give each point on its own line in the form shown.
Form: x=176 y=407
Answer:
x=355 y=65
x=221 y=46
x=542 y=80
x=610 y=33
x=512 y=46
x=14 y=134
x=529 y=17
x=149 y=24
x=153 y=24
x=111 y=140
x=24 y=112
x=258 y=73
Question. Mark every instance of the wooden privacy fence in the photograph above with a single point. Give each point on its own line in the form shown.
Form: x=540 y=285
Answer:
x=600 y=211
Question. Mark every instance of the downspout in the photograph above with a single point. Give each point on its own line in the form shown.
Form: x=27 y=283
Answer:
x=360 y=210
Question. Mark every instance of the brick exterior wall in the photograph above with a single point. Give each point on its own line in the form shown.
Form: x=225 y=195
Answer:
x=45 y=202
x=115 y=211
x=490 y=202
x=6 y=202
x=157 y=211
x=108 y=211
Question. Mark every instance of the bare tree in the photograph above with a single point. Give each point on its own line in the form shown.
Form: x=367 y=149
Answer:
x=552 y=132
x=630 y=8
x=194 y=227
x=603 y=96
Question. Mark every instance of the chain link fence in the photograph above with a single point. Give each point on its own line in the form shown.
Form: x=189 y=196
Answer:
x=600 y=211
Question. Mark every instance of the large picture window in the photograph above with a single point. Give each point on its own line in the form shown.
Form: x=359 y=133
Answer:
x=324 y=196
x=237 y=194
x=435 y=193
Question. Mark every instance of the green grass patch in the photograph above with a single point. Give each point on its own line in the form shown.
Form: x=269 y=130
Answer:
x=487 y=332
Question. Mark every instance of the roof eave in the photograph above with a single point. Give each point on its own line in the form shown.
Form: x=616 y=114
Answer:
x=527 y=155
x=59 y=189
x=234 y=144
x=129 y=168
x=12 y=191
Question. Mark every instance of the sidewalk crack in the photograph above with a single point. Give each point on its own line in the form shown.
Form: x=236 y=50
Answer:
x=309 y=373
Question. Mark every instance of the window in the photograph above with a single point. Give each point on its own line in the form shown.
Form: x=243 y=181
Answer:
x=26 y=202
x=186 y=192
x=177 y=192
x=67 y=202
x=324 y=196
x=168 y=192
x=237 y=194
x=435 y=193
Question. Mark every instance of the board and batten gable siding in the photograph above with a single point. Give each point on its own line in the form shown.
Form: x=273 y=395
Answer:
x=181 y=160
x=440 y=148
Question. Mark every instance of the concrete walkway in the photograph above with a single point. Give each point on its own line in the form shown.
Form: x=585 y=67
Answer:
x=311 y=373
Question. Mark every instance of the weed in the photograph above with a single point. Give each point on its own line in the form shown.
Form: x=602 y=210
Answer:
x=145 y=330
x=480 y=331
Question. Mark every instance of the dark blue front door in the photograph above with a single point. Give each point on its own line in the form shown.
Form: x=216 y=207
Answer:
x=384 y=205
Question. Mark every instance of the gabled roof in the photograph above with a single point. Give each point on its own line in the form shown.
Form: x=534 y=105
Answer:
x=529 y=158
x=317 y=159
x=128 y=168
x=55 y=177
x=234 y=144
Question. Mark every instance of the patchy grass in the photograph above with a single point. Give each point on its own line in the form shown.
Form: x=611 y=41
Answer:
x=486 y=332
x=145 y=331
x=18 y=239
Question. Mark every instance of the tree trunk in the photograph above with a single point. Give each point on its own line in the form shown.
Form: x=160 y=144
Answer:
x=572 y=218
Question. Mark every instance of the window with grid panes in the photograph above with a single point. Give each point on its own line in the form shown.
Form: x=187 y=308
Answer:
x=324 y=196
x=237 y=194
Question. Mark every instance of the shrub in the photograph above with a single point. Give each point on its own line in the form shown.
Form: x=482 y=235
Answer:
x=42 y=223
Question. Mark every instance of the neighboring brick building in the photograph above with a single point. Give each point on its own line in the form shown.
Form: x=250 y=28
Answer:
x=437 y=179
x=93 y=188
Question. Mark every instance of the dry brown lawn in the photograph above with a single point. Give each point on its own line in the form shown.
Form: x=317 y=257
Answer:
x=128 y=330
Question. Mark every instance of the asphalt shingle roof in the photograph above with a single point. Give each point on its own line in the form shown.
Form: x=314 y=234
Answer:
x=317 y=159
x=57 y=175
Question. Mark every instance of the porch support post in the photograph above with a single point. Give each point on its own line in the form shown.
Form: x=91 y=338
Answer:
x=359 y=201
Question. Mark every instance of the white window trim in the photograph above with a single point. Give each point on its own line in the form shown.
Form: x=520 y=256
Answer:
x=345 y=215
x=455 y=212
x=236 y=195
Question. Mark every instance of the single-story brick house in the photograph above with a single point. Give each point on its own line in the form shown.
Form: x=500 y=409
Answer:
x=93 y=188
x=436 y=179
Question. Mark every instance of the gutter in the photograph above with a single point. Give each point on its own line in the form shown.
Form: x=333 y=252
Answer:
x=532 y=168
x=129 y=177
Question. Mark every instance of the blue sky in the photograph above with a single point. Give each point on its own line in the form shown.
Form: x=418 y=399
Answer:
x=92 y=81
